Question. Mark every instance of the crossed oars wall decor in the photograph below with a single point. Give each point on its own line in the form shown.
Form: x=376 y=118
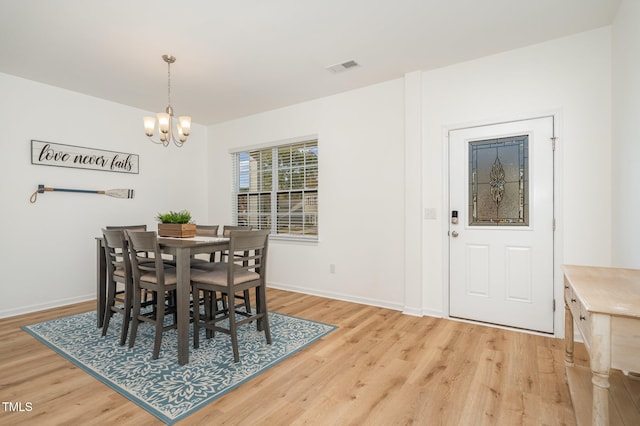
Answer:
x=117 y=193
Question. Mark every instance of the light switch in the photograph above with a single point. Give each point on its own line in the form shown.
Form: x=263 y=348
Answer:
x=430 y=214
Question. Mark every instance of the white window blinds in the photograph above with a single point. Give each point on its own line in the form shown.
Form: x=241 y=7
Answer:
x=276 y=188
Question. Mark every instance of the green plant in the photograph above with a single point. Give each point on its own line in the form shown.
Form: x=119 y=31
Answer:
x=174 y=217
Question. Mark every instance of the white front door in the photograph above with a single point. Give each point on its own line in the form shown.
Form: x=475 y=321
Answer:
x=501 y=248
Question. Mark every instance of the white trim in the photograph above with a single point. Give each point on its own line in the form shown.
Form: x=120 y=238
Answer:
x=435 y=313
x=413 y=312
x=292 y=239
x=49 y=305
x=273 y=144
x=337 y=296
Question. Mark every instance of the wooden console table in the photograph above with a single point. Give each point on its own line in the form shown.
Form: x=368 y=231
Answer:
x=605 y=304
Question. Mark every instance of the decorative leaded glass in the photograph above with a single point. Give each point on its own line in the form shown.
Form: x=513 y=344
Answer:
x=499 y=182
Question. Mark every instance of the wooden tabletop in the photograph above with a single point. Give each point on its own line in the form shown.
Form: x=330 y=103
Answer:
x=192 y=242
x=612 y=291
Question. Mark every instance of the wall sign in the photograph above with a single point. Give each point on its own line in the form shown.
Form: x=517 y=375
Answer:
x=53 y=154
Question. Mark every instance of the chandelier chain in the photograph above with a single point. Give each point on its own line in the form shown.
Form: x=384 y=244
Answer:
x=169 y=82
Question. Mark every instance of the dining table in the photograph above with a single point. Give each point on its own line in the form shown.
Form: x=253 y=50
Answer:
x=182 y=249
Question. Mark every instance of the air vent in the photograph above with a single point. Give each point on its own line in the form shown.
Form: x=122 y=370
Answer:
x=343 y=66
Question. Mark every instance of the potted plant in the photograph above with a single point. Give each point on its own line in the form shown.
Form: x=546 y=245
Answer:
x=176 y=224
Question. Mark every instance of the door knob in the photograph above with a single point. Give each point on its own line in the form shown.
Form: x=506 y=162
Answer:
x=454 y=234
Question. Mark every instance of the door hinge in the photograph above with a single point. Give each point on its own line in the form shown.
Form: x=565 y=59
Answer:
x=554 y=224
x=553 y=142
x=554 y=305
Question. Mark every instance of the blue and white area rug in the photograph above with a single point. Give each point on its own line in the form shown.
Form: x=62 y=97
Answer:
x=163 y=387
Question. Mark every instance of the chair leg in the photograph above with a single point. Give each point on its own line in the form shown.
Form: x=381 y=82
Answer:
x=134 y=317
x=258 y=308
x=195 y=295
x=247 y=301
x=218 y=309
x=108 y=312
x=232 y=327
x=209 y=310
x=159 y=326
x=127 y=313
x=264 y=321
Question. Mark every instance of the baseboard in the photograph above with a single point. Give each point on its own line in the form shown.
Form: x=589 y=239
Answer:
x=413 y=312
x=432 y=313
x=337 y=296
x=6 y=313
x=296 y=289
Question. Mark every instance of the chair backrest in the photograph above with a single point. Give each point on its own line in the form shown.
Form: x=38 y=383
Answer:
x=116 y=252
x=250 y=249
x=226 y=229
x=207 y=230
x=130 y=227
x=141 y=243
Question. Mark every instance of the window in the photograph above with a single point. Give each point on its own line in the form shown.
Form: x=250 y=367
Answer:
x=499 y=182
x=276 y=188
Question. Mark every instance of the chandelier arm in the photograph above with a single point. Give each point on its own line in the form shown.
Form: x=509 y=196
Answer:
x=171 y=135
x=165 y=143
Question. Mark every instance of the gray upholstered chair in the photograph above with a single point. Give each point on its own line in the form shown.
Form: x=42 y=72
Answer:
x=118 y=275
x=156 y=277
x=205 y=231
x=132 y=228
x=236 y=274
x=226 y=229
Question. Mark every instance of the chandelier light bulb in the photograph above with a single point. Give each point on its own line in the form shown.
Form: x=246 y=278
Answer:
x=181 y=136
x=164 y=121
x=185 y=124
x=149 y=126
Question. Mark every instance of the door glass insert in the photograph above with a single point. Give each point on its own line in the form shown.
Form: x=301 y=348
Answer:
x=499 y=182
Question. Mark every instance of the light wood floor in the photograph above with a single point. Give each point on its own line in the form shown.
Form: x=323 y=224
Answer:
x=379 y=368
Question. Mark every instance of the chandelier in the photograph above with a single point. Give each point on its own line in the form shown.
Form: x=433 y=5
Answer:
x=166 y=119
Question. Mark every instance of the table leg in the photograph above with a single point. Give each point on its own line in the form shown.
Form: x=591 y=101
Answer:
x=101 y=278
x=600 y=364
x=568 y=336
x=183 y=290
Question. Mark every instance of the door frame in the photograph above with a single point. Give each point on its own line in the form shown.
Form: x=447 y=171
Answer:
x=558 y=237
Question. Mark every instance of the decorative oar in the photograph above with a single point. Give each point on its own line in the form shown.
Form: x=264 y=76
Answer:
x=118 y=193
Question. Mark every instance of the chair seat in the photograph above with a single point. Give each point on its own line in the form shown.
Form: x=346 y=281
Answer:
x=216 y=274
x=196 y=262
x=208 y=266
x=170 y=277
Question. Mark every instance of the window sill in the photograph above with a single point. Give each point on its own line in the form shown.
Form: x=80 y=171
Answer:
x=297 y=240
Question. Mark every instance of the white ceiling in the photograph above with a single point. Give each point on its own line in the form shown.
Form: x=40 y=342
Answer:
x=240 y=57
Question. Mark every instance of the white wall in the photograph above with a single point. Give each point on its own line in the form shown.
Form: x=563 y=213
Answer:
x=570 y=76
x=361 y=214
x=369 y=174
x=47 y=254
x=626 y=135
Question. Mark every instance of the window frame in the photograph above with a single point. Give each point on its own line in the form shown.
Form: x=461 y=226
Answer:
x=273 y=219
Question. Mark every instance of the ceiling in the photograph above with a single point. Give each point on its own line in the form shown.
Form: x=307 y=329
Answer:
x=237 y=58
